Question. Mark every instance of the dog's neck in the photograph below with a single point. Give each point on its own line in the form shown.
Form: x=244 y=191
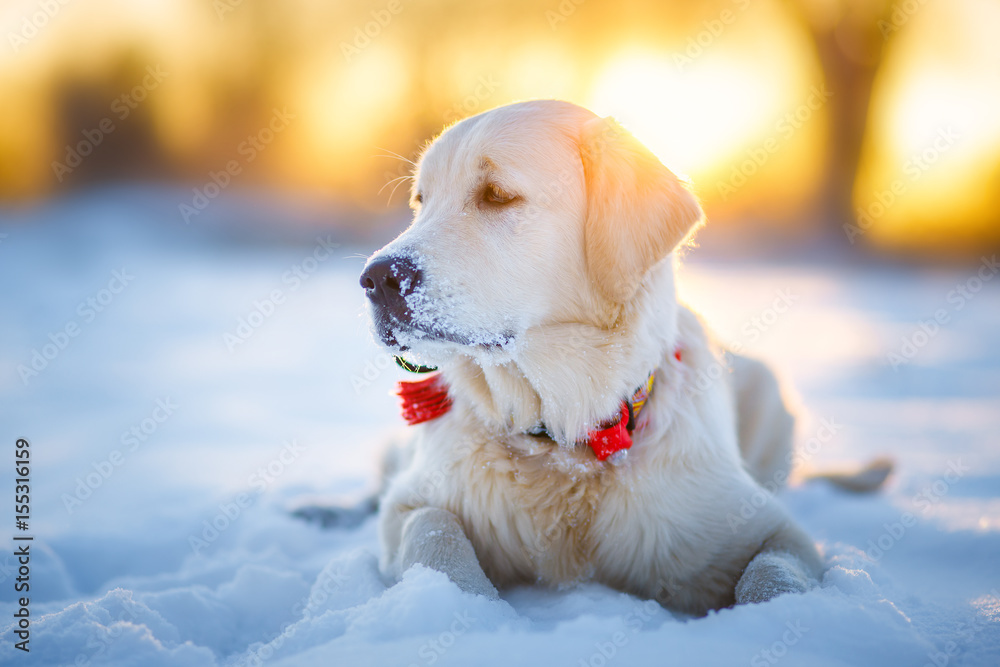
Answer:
x=572 y=376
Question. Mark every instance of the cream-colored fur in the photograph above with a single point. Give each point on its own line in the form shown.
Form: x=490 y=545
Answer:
x=562 y=300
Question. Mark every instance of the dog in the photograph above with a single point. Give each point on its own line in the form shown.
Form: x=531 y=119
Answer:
x=576 y=422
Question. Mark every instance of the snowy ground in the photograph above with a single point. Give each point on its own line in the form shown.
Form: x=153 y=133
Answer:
x=158 y=420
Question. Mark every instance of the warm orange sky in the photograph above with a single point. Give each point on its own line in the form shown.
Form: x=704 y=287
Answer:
x=729 y=94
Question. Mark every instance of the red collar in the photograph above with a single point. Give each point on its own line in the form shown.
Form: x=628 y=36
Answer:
x=428 y=399
x=423 y=400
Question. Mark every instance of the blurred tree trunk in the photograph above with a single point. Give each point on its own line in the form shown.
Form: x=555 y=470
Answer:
x=849 y=36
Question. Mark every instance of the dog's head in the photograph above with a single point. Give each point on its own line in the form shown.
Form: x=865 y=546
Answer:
x=531 y=214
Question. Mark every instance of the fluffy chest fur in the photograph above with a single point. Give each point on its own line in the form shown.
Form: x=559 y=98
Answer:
x=544 y=501
x=656 y=526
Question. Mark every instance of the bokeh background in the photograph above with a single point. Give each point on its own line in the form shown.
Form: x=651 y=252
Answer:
x=793 y=118
x=188 y=193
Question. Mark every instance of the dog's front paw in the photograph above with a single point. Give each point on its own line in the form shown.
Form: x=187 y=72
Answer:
x=769 y=575
x=435 y=538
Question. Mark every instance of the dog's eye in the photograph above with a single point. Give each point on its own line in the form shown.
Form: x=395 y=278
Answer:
x=417 y=199
x=495 y=196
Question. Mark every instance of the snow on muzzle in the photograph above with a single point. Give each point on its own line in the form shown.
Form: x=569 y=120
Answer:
x=404 y=313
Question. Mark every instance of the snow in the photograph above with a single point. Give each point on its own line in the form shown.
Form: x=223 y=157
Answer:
x=169 y=443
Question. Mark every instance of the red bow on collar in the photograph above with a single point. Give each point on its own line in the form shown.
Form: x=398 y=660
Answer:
x=423 y=400
x=427 y=399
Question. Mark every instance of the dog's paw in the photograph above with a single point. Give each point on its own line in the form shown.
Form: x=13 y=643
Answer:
x=337 y=517
x=435 y=538
x=769 y=575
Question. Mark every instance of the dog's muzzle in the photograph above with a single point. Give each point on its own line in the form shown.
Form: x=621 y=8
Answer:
x=401 y=309
x=387 y=282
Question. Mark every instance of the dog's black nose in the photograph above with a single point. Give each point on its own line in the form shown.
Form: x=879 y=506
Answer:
x=388 y=279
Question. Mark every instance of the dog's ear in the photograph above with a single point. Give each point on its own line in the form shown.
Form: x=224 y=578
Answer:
x=637 y=209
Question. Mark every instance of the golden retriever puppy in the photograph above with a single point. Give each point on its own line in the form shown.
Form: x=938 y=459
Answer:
x=563 y=437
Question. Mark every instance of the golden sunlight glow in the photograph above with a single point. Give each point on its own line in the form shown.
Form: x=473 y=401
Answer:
x=345 y=111
x=934 y=133
x=541 y=71
x=710 y=119
x=726 y=94
x=692 y=118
